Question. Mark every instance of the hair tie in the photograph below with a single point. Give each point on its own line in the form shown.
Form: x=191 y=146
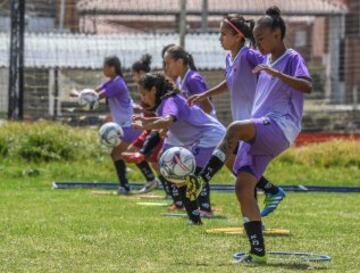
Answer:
x=234 y=27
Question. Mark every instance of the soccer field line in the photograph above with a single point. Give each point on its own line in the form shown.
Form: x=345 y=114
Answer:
x=214 y=187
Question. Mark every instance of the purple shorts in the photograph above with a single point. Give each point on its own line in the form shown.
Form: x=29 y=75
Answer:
x=268 y=143
x=202 y=155
x=130 y=134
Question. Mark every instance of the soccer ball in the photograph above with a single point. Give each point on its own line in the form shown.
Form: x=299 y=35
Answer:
x=88 y=99
x=110 y=134
x=176 y=163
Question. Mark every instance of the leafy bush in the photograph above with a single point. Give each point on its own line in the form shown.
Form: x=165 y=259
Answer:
x=335 y=153
x=45 y=141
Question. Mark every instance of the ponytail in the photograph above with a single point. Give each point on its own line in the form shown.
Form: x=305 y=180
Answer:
x=238 y=24
x=273 y=20
x=177 y=52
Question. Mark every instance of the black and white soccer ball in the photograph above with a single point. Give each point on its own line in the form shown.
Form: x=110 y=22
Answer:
x=110 y=135
x=88 y=99
x=176 y=163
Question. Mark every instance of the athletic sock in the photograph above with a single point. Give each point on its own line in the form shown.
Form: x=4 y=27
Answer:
x=191 y=207
x=151 y=141
x=146 y=171
x=204 y=198
x=120 y=167
x=256 y=239
x=266 y=186
x=215 y=163
x=166 y=185
x=175 y=194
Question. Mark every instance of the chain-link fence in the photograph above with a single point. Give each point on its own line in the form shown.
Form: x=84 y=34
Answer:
x=67 y=40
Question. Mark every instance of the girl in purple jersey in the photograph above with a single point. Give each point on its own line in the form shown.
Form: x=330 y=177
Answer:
x=192 y=127
x=179 y=65
x=275 y=122
x=236 y=36
x=118 y=98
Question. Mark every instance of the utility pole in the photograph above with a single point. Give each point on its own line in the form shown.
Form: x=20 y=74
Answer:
x=16 y=61
x=204 y=16
x=182 y=30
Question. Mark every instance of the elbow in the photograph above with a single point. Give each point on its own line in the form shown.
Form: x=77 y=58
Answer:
x=309 y=88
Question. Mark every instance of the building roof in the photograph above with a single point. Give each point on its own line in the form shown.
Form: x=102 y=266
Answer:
x=88 y=51
x=215 y=7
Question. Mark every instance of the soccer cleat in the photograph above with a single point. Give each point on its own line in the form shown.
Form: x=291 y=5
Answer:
x=175 y=207
x=199 y=223
x=272 y=201
x=136 y=157
x=251 y=258
x=123 y=190
x=149 y=186
x=194 y=186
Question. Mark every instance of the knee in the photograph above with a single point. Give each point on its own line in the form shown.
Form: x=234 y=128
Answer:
x=233 y=128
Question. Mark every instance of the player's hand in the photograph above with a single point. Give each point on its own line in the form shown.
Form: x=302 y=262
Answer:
x=138 y=122
x=195 y=99
x=138 y=125
x=74 y=93
x=137 y=118
x=263 y=67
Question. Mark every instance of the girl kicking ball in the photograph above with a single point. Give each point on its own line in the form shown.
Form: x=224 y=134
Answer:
x=275 y=122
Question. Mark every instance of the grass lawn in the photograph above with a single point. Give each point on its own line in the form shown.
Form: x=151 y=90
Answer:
x=45 y=230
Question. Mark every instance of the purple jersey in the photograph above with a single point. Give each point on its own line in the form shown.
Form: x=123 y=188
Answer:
x=120 y=103
x=277 y=100
x=241 y=81
x=193 y=83
x=192 y=126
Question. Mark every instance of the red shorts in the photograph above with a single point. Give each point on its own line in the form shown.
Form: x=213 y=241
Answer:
x=139 y=142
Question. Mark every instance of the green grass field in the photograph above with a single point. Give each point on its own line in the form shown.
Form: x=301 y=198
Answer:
x=46 y=230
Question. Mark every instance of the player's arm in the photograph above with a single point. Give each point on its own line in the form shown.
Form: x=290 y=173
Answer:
x=206 y=106
x=154 y=123
x=199 y=98
x=302 y=84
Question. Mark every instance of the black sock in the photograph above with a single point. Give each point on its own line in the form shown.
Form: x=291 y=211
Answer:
x=266 y=186
x=121 y=173
x=191 y=207
x=256 y=239
x=150 y=143
x=146 y=171
x=175 y=194
x=215 y=163
x=166 y=185
x=204 y=198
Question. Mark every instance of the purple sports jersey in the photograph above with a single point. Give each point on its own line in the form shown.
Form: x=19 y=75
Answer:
x=277 y=100
x=193 y=83
x=276 y=114
x=241 y=81
x=192 y=126
x=120 y=103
